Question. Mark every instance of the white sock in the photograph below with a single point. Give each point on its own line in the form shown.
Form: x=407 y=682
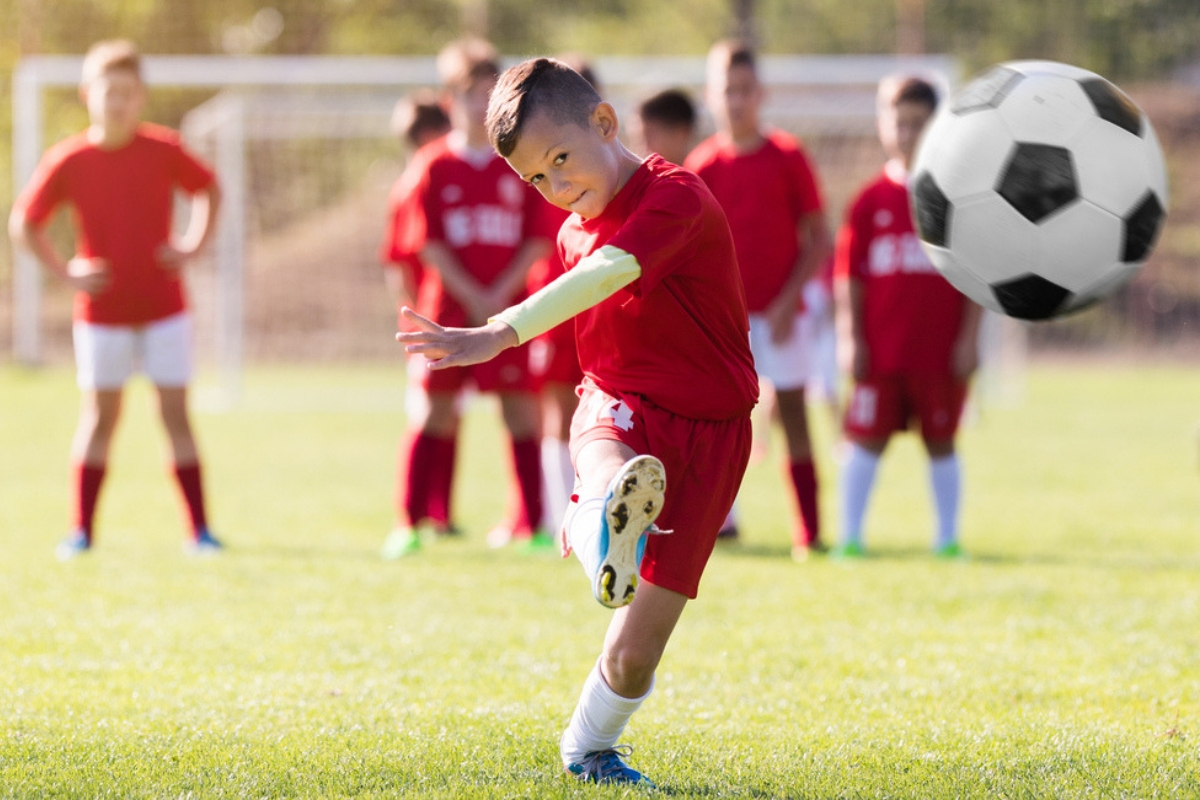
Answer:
x=558 y=481
x=946 y=477
x=858 y=476
x=599 y=718
x=730 y=518
x=583 y=532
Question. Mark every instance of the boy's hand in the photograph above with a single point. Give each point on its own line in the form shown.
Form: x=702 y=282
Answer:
x=454 y=347
x=89 y=275
x=171 y=257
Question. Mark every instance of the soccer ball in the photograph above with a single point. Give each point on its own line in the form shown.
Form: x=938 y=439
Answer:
x=1039 y=189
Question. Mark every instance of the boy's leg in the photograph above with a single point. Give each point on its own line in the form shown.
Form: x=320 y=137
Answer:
x=793 y=415
x=945 y=477
x=172 y=402
x=99 y=412
x=558 y=474
x=523 y=420
x=857 y=480
x=623 y=677
x=426 y=466
x=606 y=527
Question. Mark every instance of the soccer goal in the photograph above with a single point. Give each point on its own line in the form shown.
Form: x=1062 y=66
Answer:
x=305 y=157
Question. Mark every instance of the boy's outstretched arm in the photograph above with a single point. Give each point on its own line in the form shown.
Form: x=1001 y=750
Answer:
x=455 y=347
x=594 y=278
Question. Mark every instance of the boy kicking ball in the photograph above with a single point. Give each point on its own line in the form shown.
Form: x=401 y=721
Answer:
x=669 y=382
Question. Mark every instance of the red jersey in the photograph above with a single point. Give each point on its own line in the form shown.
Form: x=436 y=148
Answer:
x=911 y=314
x=123 y=202
x=679 y=334
x=765 y=193
x=480 y=209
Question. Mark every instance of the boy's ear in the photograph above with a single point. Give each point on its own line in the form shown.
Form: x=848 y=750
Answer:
x=604 y=120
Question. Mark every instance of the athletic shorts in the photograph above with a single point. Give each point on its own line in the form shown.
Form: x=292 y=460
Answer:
x=106 y=356
x=785 y=364
x=704 y=460
x=507 y=372
x=883 y=405
x=553 y=357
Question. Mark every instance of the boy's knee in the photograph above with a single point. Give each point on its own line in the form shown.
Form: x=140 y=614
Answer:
x=629 y=669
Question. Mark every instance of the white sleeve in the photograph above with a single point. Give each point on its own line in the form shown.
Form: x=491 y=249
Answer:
x=594 y=279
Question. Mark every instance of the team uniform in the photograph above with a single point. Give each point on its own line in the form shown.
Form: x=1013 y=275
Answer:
x=666 y=360
x=122 y=201
x=912 y=317
x=394 y=252
x=765 y=193
x=475 y=205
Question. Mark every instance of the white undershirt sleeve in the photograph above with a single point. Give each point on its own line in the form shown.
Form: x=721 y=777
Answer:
x=595 y=278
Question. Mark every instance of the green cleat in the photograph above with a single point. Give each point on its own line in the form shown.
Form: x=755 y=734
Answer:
x=401 y=542
x=949 y=552
x=848 y=551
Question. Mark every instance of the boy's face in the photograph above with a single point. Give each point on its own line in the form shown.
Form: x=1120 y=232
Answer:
x=115 y=99
x=735 y=97
x=472 y=100
x=900 y=126
x=672 y=142
x=575 y=167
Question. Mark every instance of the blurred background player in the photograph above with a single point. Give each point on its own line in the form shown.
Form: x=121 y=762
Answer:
x=666 y=124
x=554 y=361
x=908 y=338
x=418 y=119
x=769 y=190
x=119 y=178
x=477 y=228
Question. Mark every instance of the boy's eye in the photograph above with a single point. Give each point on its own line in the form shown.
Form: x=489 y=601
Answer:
x=536 y=179
x=560 y=159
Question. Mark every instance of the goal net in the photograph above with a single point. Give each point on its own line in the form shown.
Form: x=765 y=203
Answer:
x=305 y=157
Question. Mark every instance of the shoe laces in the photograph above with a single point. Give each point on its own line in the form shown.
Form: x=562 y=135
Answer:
x=608 y=766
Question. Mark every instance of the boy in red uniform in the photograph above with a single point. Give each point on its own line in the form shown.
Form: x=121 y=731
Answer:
x=667 y=125
x=669 y=382
x=770 y=194
x=909 y=338
x=119 y=176
x=477 y=229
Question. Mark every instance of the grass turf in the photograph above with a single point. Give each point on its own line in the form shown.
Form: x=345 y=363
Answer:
x=1062 y=659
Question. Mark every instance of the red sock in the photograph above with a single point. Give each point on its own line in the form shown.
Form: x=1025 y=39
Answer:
x=87 y=479
x=441 y=488
x=193 y=494
x=527 y=463
x=804 y=481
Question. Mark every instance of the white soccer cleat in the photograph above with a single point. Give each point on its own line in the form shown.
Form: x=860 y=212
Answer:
x=632 y=503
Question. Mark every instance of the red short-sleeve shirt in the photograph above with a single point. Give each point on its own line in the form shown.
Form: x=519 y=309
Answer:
x=679 y=334
x=765 y=193
x=122 y=202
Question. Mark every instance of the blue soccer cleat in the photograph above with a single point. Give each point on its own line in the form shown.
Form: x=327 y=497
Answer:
x=608 y=766
x=632 y=503
x=204 y=544
x=76 y=544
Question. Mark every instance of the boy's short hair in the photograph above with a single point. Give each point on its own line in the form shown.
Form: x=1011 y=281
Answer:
x=729 y=53
x=109 y=55
x=418 y=115
x=464 y=61
x=581 y=65
x=671 y=107
x=897 y=89
x=543 y=85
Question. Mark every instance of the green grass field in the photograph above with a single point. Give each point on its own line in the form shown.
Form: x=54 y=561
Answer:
x=1061 y=660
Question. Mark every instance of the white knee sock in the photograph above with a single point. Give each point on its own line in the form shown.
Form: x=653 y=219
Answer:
x=599 y=719
x=558 y=481
x=583 y=532
x=946 y=477
x=858 y=476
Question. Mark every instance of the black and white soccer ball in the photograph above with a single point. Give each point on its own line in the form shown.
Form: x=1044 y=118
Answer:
x=1039 y=189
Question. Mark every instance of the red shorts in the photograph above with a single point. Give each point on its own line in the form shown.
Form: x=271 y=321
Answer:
x=882 y=405
x=704 y=460
x=507 y=372
x=553 y=357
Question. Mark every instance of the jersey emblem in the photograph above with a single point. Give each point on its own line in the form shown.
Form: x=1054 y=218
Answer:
x=883 y=218
x=622 y=415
